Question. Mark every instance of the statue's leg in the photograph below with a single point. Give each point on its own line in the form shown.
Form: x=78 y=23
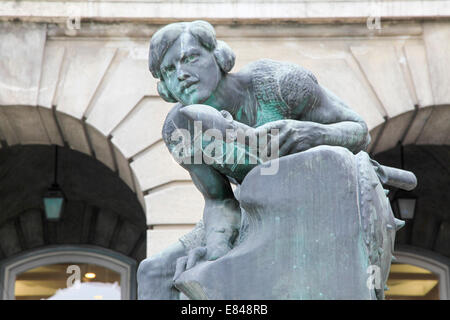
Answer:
x=155 y=274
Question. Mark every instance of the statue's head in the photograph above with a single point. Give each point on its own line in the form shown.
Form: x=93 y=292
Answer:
x=189 y=61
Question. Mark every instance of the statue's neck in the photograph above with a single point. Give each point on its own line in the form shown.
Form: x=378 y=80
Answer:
x=231 y=94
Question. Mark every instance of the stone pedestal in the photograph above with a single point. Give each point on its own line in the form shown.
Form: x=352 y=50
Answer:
x=318 y=229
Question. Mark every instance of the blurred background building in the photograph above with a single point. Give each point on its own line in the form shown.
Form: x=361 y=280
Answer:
x=80 y=120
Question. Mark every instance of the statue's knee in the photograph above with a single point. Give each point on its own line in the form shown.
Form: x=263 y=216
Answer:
x=149 y=267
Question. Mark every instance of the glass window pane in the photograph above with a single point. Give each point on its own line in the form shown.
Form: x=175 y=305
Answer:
x=73 y=281
x=53 y=207
x=408 y=282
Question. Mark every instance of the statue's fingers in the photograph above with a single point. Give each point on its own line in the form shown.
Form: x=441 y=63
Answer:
x=267 y=127
x=194 y=255
x=286 y=147
x=299 y=147
x=283 y=138
x=180 y=267
x=273 y=141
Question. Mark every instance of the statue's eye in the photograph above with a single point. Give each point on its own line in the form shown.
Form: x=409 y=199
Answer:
x=190 y=58
x=169 y=69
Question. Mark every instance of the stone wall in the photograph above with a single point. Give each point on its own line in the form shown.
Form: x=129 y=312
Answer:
x=90 y=88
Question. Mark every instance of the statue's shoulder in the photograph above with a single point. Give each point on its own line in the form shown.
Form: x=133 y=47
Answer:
x=290 y=83
x=281 y=70
x=174 y=120
x=284 y=73
x=266 y=67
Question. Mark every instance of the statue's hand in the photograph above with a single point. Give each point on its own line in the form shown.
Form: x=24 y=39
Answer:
x=217 y=251
x=187 y=262
x=197 y=254
x=293 y=135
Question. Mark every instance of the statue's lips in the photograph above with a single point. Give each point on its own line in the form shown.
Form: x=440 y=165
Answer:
x=189 y=86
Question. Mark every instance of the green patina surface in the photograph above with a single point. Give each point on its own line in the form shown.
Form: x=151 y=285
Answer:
x=270 y=107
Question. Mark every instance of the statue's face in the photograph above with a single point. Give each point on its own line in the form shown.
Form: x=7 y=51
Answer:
x=190 y=71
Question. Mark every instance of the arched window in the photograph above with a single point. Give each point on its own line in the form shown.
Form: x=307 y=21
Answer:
x=54 y=273
x=419 y=274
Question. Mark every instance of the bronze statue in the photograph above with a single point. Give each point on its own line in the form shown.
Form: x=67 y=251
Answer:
x=194 y=72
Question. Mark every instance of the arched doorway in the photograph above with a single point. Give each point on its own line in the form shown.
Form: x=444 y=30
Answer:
x=52 y=272
x=102 y=226
x=418 y=274
x=419 y=141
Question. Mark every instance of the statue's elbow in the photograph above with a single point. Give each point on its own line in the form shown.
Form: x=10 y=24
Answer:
x=365 y=137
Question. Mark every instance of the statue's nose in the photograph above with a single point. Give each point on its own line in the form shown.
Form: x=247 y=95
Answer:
x=182 y=75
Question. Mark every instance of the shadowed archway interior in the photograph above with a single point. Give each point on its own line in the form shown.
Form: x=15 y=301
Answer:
x=430 y=227
x=100 y=210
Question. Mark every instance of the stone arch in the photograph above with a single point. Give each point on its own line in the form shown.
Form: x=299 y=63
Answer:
x=429 y=260
x=93 y=215
x=36 y=125
x=96 y=84
x=421 y=126
x=419 y=141
x=123 y=265
x=97 y=97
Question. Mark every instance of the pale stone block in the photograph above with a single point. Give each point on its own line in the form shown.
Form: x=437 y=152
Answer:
x=418 y=66
x=7 y=131
x=160 y=238
x=437 y=127
x=249 y=50
x=393 y=132
x=337 y=76
x=74 y=134
x=316 y=31
x=284 y=49
x=101 y=147
x=156 y=167
x=436 y=37
x=127 y=82
x=21 y=52
x=180 y=203
x=328 y=60
x=48 y=121
x=53 y=58
x=138 y=191
x=381 y=67
x=26 y=123
x=174 y=10
x=418 y=125
x=86 y=68
x=142 y=127
x=373 y=136
x=123 y=166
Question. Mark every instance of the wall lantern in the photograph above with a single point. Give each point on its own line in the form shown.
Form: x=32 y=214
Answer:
x=405 y=201
x=406 y=207
x=54 y=197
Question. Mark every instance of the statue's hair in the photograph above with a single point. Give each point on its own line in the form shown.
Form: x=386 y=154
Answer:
x=204 y=32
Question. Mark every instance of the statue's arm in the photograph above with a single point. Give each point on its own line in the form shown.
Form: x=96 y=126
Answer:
x=327 y=118
x=340 y=125
x=221 y=215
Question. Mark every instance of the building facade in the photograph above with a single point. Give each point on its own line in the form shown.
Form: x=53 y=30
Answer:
x=74 y=74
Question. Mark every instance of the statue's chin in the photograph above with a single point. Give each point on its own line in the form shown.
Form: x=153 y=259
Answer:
x=195 y=98
x=189 y=100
